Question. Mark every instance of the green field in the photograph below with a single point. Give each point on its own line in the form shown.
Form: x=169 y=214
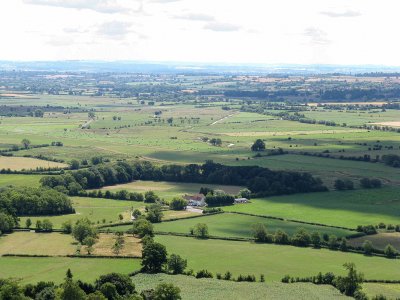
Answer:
x=391 y=291
x=34 y=269
x=19 y=180
x=202 y=289
x=235 y=225
x=339 y=208
x=275 y=261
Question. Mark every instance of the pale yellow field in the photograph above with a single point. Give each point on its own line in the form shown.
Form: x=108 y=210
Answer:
x=20 y=163
x=391 y=124
x=54 y=244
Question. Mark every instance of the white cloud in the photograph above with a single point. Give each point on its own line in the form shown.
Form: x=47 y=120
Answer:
x=196 y=17
x=102 y=6
x=222 y=27
x=114 y=30
x=342 y=14
x=316 y=36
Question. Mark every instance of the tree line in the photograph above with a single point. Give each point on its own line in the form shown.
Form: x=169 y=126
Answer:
x=261 y=181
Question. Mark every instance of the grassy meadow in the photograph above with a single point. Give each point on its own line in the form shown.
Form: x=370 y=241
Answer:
x=274 y=261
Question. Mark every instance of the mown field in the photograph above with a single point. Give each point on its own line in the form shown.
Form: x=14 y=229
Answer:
x=274 y=261
x=339 y=208
x=192 y=288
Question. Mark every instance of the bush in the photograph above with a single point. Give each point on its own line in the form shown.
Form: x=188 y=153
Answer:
x=390 y=251
x=142 y=227
x=178 y=204
x=201 y=231
x=301 y=238
x=176 y=264
x=203 y=274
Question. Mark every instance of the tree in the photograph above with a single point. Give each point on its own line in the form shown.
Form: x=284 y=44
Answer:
x=123 y=284
x=154 y=213
x=344 y=184
x=201 y=231
x=109 y=291
x=343 y=245
x=7 y=223
x=245 y=193
x=154 y=256
x=176 y=264
x=39 y=113
x=26 y=143
x=368 y=247
x=150 y=197
x=47 y=226
x=136 y=213
x=89 y=241
x=142 y=227
x=301 y=238
x=97 y=295
x=216 y=142
x=316 y=239
x=281 y=237
x=66 y=227
x=83 y=229
x=178 y=204
x=390 y=251
x=351 y=283
x=258 y=145
x=71 y=290
x=28 y=223
x=259 y=232
x=167 y=291
x=332 y=242
x=74 y=164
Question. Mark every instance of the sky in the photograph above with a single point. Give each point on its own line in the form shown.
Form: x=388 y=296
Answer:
x=352 y=32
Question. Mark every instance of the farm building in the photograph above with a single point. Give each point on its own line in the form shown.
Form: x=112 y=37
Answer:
x=241 y=200
x=195 y=200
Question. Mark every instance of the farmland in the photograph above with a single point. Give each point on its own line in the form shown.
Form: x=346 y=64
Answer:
x=171 y=121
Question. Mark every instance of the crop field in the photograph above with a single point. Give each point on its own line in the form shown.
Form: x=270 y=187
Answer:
x=339 y=208
x=34 y=269
x=234 y=225
x=27 y=163
x=274 y=261
x=202 y=289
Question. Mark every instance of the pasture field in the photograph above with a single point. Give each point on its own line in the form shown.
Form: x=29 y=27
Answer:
x=95 y=209
x=59 y=244
x=235 y=225
x=339 y=208
x=202 y=289
x=274 y=261
x=168 y=190
x=27 y=163
x=34 y=269
x=19 y=180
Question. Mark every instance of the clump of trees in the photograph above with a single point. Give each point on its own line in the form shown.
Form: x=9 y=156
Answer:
x=343 y=184
x=258 y=145
x=29 y=201
x=370 y=183
x=178 y=204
